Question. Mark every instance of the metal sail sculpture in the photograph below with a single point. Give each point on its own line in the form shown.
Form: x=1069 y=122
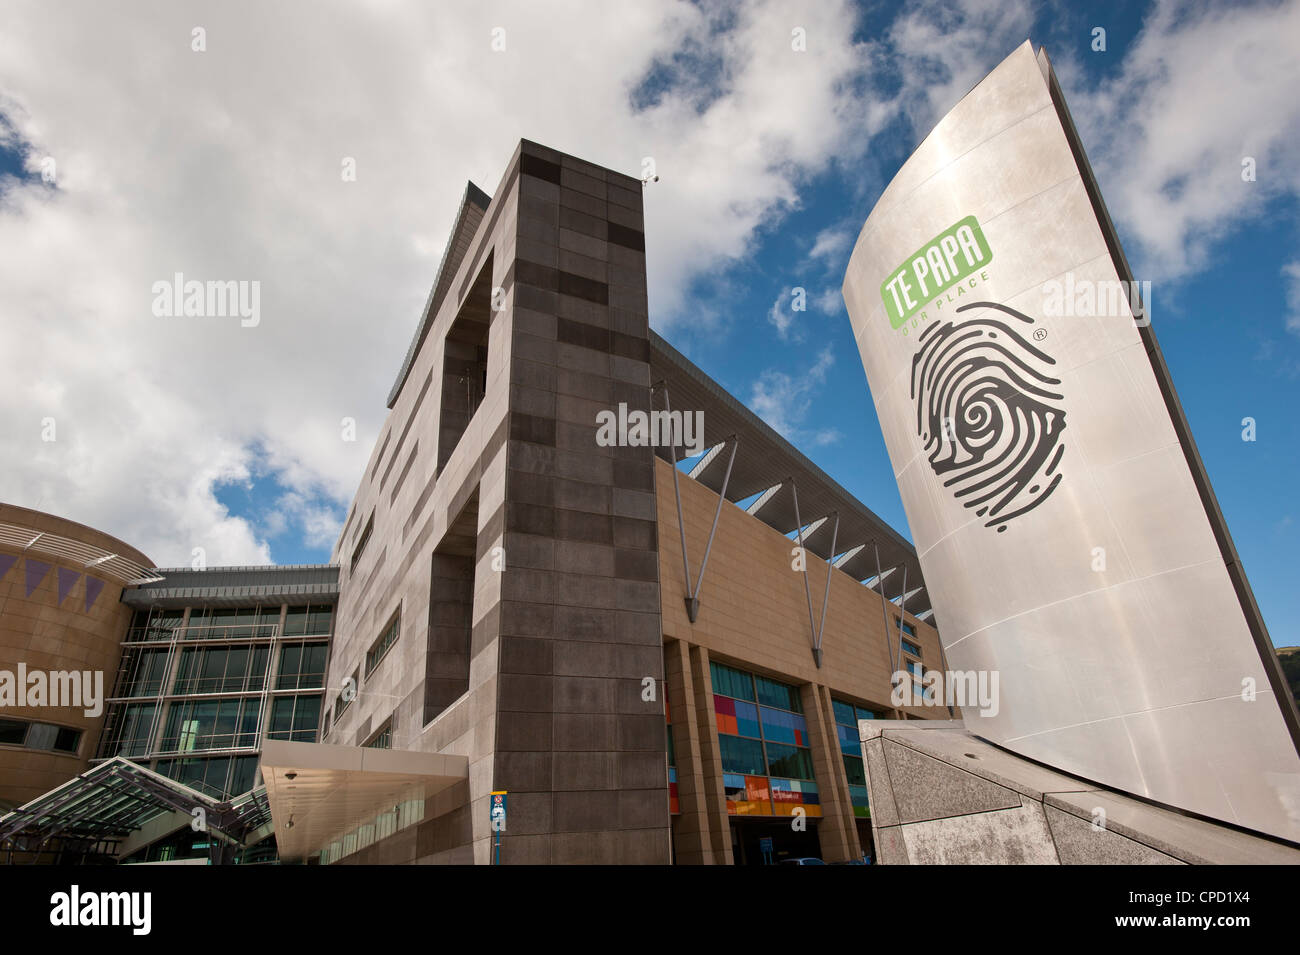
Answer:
x=1065 y=524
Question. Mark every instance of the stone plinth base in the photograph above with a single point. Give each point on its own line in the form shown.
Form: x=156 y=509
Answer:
x=939 y=794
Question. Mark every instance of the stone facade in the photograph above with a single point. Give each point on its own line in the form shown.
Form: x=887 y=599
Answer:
x=519 y=554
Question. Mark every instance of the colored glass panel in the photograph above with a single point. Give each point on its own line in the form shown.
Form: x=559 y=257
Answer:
x=843 y=713
x=782 y=727
x=747 y=722
x=724 y=710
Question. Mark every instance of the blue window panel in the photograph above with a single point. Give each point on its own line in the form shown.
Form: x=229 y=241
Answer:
x=782 y=727
x=843 y=713
x=858 y=794
x=747 y=719
x=850 y=745
x=733 y=780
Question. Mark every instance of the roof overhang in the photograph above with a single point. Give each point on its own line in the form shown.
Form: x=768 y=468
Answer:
x=319 y=793
x=768 y=465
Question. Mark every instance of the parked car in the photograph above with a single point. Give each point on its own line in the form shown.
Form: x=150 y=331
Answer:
x=802 y=860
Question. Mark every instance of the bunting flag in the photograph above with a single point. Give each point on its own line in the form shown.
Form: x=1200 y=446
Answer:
x=6 y=561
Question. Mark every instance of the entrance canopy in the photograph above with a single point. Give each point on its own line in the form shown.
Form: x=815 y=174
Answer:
x=319 y=793
x=119 y=807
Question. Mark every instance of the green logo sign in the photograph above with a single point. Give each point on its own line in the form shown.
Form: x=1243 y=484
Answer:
x=935 y=267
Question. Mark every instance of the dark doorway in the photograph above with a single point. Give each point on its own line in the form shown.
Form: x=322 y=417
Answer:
x=786 y=843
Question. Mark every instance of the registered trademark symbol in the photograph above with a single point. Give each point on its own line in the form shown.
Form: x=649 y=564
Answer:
x=1040 y=334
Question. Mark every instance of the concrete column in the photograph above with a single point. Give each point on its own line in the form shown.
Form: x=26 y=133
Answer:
x=692 y=830
x=715 y=797
x=836 y=830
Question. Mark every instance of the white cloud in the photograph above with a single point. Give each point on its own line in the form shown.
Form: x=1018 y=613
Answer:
x=781 y=315
x=829 y=302
x=1198 y=91
x=1291 y=276
x=784 y=400
x=831 y=246
x=225 y=165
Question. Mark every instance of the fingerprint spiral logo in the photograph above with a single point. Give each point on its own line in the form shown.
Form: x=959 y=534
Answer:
x=986 y=412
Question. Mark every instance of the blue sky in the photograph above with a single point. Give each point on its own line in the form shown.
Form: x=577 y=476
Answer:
x=229 y=167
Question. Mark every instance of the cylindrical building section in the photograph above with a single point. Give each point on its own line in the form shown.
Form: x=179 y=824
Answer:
x=62 y=623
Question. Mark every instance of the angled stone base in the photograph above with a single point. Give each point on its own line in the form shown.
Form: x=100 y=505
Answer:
x=939 y=794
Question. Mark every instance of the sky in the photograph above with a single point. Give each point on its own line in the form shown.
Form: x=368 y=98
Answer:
x=128 y=154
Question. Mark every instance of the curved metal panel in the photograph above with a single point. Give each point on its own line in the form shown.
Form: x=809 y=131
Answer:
x=1064 y=541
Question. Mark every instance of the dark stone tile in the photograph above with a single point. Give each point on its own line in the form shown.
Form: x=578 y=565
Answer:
x=521 y=772
x=634 y=473
x=642 y=733
x=527 y=487
x=539 y=168
x=586 y=811
x=579 y=286
x=631 y=533
x=637 y=564
x=628 y=238
x=526 y=655
x=584 y=732
x=532 y=428
x=569 y=332
x=581 y=526
x=528 y=732
x=630 y=347
x=526 y=619
x=528 y=693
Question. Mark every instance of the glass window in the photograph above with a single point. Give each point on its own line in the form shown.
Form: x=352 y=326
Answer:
x=843 y=713
x=42 y=736
x=309 y=620
x=194 y=725
x=295 y=718
x=854 y=770
x=361 y=543
x=222 y=669
x=912 y=648
x=381 y=740
x=13 y=732
x=385 y=643
x=731 y=682
x=772 y=693
x=782 y=727
x=744 y=756
x=792 y=762
x=128 y=730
